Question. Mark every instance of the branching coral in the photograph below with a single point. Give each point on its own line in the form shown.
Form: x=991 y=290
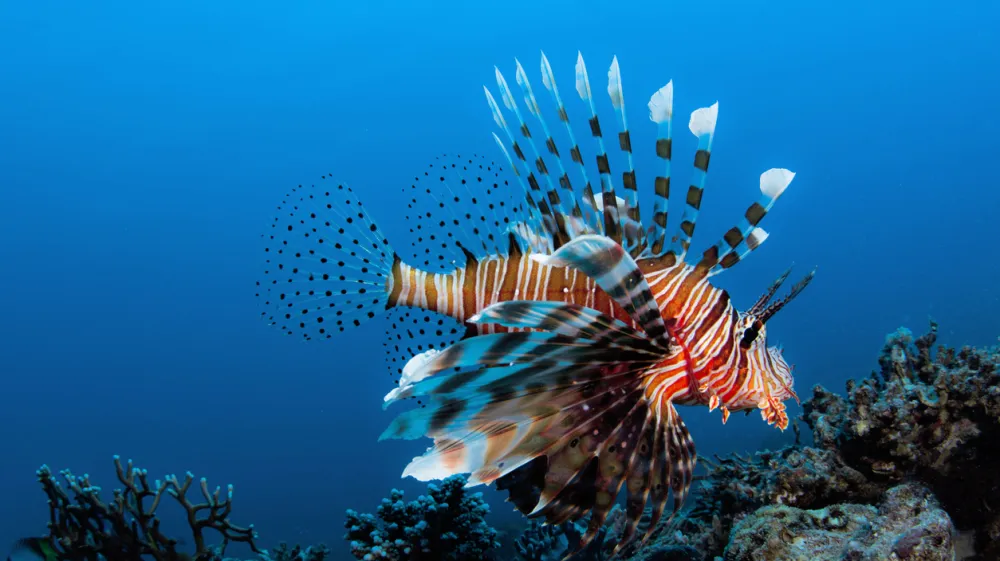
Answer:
x=445 y=524
x=284 y=552
x=82 y=527
x=542 y=542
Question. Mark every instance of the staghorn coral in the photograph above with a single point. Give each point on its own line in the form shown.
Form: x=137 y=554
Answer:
x=445 y=524
x=82 y=527
x=930 y=416
x=908 y=526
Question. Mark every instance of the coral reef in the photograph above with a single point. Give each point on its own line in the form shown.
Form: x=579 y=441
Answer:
x=935 y=419
x=539 y=542
x=736 y=486
x=902 y=467
x=447 y=524
x=295 y=553
x=83 y=527
x=907 y=526
x=926 y=417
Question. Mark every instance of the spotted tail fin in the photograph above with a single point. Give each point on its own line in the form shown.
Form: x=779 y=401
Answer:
x=327 y=265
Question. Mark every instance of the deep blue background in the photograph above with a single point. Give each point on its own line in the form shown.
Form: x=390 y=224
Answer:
x=143 y=148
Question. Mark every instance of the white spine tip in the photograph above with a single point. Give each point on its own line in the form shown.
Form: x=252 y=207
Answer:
x=661 y=104
x=519 y=73
x=539 y=258
x=703 y=120
x=757 y=237
x=582 y=83
x=547 y=80
x=615 y=83
x=508 y=99
x=774 y=181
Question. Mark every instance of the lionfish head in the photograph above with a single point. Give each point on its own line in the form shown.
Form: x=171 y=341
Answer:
x=769 y=374
x=766 y=366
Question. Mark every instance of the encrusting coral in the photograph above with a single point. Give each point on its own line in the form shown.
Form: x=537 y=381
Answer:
x=907 y=526
x=448 y=524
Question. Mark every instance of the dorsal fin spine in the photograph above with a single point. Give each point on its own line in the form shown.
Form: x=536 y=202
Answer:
x=533 y=205
x=592 y=216
x=550 y=205
x=661 y=111
x=702 y=125
x=566 y=188
x=612 y=222
x=632 y=233
x=740 y=240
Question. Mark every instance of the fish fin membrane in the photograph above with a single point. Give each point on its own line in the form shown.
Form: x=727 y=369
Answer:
x=461 y=206
x=547 y=174
x=614 y=270
x=327 y=266
x=497 y=403
x=631 y=443
x=413 y=331
x=480 y=361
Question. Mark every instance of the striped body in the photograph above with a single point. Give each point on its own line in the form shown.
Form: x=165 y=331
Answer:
x=706 y=357
x=468 y=290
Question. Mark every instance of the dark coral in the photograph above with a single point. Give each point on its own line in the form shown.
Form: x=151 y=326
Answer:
x=933 y=417
x=83 y=527
x=447 y=523
x=541 y=542
x=929 y=415
x=736 y=486
x=284 y=552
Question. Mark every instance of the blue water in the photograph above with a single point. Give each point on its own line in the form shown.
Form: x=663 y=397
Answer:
x=143 y=148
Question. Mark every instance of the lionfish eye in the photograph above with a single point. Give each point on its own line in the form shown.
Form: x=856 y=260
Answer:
x=749 y=336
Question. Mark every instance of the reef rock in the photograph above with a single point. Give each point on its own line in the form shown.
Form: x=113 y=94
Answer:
x=908 y=526
x=932 y=417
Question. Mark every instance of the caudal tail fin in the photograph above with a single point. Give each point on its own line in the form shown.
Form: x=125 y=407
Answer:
x=327 y=266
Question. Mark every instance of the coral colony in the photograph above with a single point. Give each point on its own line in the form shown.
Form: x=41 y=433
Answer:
x=901 y=468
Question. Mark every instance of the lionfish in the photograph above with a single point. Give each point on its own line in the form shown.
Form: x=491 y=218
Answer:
x=576 y=330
